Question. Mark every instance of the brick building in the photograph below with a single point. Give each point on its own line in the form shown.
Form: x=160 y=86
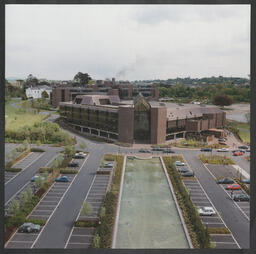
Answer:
x=125 y=90
x=139 y=120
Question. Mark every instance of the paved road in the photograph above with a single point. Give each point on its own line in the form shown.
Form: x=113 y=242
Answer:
x=232 y=216
x=21 y=179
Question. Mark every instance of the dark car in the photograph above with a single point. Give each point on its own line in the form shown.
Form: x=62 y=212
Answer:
x=206 y=149
x=187 y=173
x=157 y=149
x=73 y=164
x=225 y=180
x=248 y=150
x=246 y=181
x=62 y=179
x=168 y=151
x=243 y=147
x=183 y=169
x=144 y=151
x=29 y=227
x=241 y=197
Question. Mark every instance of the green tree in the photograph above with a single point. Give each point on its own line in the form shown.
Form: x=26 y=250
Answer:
x=14 y=207
x=82 y=145
x=29 y=193
x=23 y=198
x=69 y=150
x=102 y=212
x=39 y=182
x=38 y=143
x=96 y=241
x=82 y=78
x=86 y=208
x=222 y=100
x=45 y=95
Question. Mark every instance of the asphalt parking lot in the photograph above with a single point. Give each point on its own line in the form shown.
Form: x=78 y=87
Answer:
x=9 y=147
x=82 y=237
x=23 y=164
x=229 y=171
x=200 y=199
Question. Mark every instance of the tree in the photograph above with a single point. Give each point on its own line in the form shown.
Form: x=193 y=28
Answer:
x=102 y=212
x=23 y=198
x=45 y=95
x=39 y=182
x=29 y=193
x=222 y=100
x=38 y=143
x=69 y=150
x=14 y=207
x=86 y=208
x=96 y=241
x=82 y=78
x=82 y=145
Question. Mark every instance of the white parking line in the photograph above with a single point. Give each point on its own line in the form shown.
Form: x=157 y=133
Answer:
x=24 y=168
x=83 y=235
x=22 y=241
x=59 y=201
x=79 y=243
x=225 y=242
x=80 y=212
x=13 y=196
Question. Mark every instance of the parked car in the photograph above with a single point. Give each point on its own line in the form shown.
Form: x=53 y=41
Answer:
x=222 y=143
x=62 y=179
x=79 y=155
x=243 y=147
x=238 y=150
x=168 y=151
x=206 y=149
x=241 y=197
x=238 y=153
x=29 y=227
x=222 y=150
x=233 y=186
x=33 y=179
x=187 y=173
x=144 y=151
x=73 y=164
x=179 y=163
x=248 y=150
x=226 y=180
x=108 y=165
x=157 y=148
x=222 y=139
x=183 y=169
x=206 y=211
x=246 y=181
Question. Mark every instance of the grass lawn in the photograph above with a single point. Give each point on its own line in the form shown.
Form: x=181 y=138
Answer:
x=16 y=118
x=244 y=130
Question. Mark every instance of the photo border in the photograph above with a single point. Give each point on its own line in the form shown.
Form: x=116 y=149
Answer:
x=252 y=130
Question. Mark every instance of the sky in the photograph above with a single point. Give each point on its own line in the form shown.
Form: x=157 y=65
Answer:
x=128 y=42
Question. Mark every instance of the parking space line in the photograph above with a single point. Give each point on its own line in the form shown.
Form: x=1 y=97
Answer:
x=82 y=235
x=22 y=241
x=60 y=200
x=23 y=169
x=18 y=233
x=79 y=243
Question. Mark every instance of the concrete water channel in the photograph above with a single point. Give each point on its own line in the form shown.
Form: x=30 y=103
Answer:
x=148 y=216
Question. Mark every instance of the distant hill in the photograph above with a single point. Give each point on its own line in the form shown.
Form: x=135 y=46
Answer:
x=14 y=78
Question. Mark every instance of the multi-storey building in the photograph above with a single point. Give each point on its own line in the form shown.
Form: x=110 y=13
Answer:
x=139 y=120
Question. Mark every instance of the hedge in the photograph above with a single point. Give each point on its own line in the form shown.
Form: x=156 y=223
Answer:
x=198 y=233
x=41 y=222
x=13 y=169
x=216 y=159
x=243 y=185
x=45 y=169
x=222 y=230
x=38 y=150
x=88 y=223
x=68 y=171
x=106 y=227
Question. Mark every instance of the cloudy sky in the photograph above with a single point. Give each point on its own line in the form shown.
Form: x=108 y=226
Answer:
x=129 y=42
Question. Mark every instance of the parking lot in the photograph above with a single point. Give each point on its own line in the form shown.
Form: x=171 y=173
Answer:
x=218 y=171
x=9 y=147
x=200 y=199
x=23 y=164
x=82 y=237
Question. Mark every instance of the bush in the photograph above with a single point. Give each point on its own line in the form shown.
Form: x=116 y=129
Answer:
x=17 y=158
x=45 y=169
x=68 y=171
x=88 y=223
x=86 y=208
x=215 y=159
x=41 y=222
x=243 y=185
x=38 y=150
x=13 y=169
x=222 y=230
x=199 y=235
x=109 y=157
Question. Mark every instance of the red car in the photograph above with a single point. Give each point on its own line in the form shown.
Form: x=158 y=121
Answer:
x=222 y=143
x=233 y=186
x=238 y=153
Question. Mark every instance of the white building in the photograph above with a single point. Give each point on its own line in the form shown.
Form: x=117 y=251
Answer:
x=36 y=92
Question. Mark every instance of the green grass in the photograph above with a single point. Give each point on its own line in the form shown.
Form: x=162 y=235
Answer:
x=16 y=118
x=243 y=129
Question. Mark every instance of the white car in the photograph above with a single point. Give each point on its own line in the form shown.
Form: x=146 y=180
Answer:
x=206 y=211
x=179 y=163
x=222 y=150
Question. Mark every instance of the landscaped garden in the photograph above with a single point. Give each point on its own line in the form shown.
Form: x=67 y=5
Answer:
x=215 y=159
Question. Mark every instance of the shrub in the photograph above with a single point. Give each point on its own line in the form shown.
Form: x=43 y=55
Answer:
x=45 y=169
x=14 y=206
x=86 y=208
x=96 y=241
x=68 y=171
x=243 y=185
x=41 y=222
x=215 y=159
x=88 y=223
x=222 y=230
x=38 y=150
x=13 y=169
x=109 y=157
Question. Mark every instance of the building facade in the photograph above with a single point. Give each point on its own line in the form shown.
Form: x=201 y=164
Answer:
x=36 y=92
x=139 y=121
